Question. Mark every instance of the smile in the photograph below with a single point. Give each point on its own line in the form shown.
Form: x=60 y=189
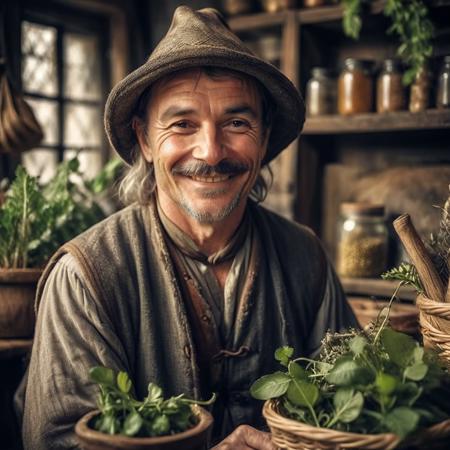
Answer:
x=214 y=179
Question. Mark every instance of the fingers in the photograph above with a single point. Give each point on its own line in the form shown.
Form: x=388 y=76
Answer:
x=246 y=438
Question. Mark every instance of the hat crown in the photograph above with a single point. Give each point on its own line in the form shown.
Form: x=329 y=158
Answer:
x=203 y=28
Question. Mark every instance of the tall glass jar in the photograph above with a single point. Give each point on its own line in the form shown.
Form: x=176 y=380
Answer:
x=320 y=93
x=362 y=241
x=443 y=85
x=419 y=98
x=390 y=90
x=355 y=87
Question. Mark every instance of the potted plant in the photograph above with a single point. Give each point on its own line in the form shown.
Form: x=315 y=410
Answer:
x=369 y=389
x=122 y=422
x=34 y=221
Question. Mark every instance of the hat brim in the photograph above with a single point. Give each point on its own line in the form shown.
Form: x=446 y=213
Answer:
x=288 y=117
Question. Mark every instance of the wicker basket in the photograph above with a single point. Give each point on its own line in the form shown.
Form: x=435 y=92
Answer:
x=434 y=318
x=293 y=435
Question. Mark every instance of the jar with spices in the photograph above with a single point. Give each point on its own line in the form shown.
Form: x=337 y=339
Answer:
x=390 y=90
x=362 y=241
x=320 y=93
x=443 y=85
x=355 y=87
x=419 y=98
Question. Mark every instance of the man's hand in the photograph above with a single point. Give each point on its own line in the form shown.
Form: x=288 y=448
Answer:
x=246 y=438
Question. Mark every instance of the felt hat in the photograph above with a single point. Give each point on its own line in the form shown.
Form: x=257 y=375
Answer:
x=196 y=39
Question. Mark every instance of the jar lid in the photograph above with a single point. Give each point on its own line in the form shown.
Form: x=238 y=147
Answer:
x=362 y=209
x=391 y=64
x=362 y=64
x=318 y=72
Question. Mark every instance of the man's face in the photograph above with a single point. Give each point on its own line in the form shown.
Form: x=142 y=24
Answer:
x=206 y=141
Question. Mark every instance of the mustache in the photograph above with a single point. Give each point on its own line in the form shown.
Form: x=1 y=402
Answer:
x=202 y=169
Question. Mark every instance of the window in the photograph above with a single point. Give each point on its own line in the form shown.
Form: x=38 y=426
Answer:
x=63 y=80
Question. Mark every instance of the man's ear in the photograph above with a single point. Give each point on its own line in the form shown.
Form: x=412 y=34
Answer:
x=141 y=136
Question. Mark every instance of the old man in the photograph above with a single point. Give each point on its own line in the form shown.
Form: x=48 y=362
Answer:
x=193 y=286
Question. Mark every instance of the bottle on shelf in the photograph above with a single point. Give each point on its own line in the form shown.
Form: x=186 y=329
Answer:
x=320 y=93
x=362 y=240
x=355 y=87
x=313 y=3
x=419 y=98
x=443 y=85
x=390 y=90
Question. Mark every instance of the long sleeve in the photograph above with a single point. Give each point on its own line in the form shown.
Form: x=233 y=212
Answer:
x=72 y=335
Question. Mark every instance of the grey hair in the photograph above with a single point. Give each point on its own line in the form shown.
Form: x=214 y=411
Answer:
x=139 y=181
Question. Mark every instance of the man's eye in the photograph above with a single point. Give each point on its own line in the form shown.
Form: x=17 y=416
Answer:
x=236 y=123
x=181 y=124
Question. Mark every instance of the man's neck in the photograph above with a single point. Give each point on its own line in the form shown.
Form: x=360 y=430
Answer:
x=209 y=237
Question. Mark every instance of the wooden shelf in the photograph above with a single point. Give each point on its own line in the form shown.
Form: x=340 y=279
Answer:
x=373 y=122
x=14 y=347
x=377 y=288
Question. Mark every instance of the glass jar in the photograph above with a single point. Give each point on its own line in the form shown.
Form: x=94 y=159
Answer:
x=419 y=98
x=390 y=90
x=320 y=93
x=443 y=85
x=355 y=87
x=362 y=241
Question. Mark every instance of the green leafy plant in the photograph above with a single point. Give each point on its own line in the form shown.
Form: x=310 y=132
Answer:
x=372 y=381
x=406 y=274
x=35 y=220
x=410 y=22
x=121 y=413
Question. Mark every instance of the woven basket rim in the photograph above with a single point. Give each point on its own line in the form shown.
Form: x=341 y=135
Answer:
x=298 y=429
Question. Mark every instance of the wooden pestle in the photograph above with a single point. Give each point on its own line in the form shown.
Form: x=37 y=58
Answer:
x=431 y=281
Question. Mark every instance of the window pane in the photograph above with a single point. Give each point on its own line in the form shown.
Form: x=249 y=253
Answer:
x=39 y=59
x=46 y=112
x=91 y=161
x=82 y=126
x=41 y=162
x=81 y=67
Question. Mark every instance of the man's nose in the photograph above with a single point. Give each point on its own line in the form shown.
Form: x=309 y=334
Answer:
x=209 y=147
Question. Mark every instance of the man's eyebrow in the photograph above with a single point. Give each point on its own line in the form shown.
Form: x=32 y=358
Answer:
x=175 y=111
x=242 y=109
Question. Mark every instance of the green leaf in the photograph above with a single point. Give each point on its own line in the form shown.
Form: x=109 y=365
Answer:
x=154 y=392
x=123 y=382
x=102 y=375
x=402 y=421
x=386 y=383
x=348 y=404
x=357 y=345
x=108 y=424
x=348 y=372
x=160 y=425
x=399 y=346
x=297 y=371
x=302 y=393
x=283 y=355
x=132 y=424
x=416 y=372
x=270 y=386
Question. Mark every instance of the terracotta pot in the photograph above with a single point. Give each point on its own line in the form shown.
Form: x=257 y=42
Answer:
x=17 y=292
x=195 y=438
